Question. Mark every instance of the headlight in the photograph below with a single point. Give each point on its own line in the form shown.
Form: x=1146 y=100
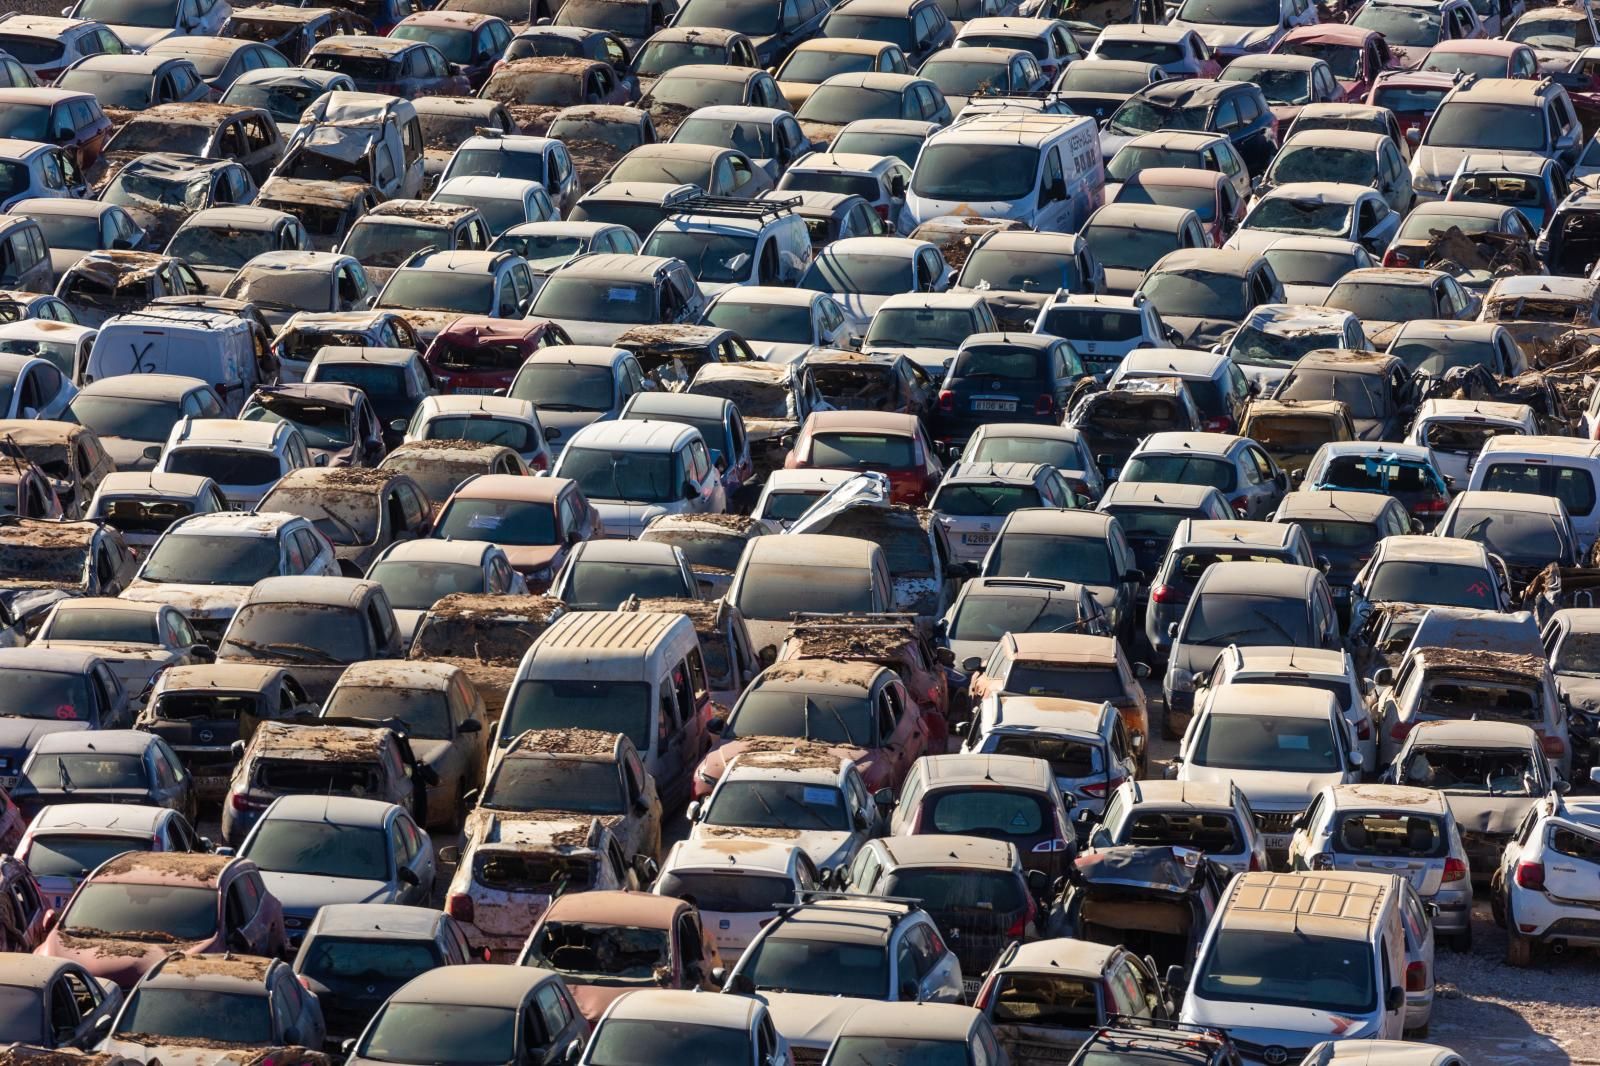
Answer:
x=1179 y=681
x=1424 y=183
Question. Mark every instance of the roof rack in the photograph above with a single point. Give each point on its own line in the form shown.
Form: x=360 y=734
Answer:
x=728 y=207
x=820 y=897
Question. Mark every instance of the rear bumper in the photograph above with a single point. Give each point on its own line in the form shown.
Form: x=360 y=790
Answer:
x=1539 y=917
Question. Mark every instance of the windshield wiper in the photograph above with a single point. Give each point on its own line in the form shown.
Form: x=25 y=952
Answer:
x=1275 y=624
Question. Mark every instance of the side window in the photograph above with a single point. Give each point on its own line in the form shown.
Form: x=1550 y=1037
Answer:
x=552 y=1010
x=1227 y=116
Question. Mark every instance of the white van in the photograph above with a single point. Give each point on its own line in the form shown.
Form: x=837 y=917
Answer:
x=1567 y=468
x=198 y=344
x=1292 y=958
x=639 y=673
x=1045 y=171
x=365 y=137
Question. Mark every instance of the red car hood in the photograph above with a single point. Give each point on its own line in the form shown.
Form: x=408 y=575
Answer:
x=594 y=999
x=123 y=961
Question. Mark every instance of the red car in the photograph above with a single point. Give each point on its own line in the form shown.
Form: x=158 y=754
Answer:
x=141 y=906
x=480 y=355
x=890 y=443
x=1413 y=96
x=1356 y=55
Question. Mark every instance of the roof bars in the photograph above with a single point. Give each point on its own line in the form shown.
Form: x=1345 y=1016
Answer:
x=728 y=207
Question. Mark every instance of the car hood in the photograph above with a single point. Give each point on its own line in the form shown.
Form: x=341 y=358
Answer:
x=1440 y=164
x=565 y=423
x=810 y=1021
x=934 y=360
x=716 y=761
x=21 y=734
x=780 y=351
x=195 y=601
x=531 y=556
x=1267 y=790
x=822 y=847
x=180 y=1054
x=1253 y=240
x=305 y=893
x=128 y=454
x=1266 y=1025
x=1200 y=332
x=122 y=961
x=1230 y=38
x=140 y=38
x=1477 y=813
x=601 y=333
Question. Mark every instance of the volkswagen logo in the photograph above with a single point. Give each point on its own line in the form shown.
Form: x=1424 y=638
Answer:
x=205 y=736
x=1275 y=1055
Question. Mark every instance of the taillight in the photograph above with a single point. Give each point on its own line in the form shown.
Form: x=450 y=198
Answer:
x=985 y=994
x=1396 y=258
x=1364 y=729
x=1102 y=789
x=1554 y=747
x=883 y=211
x=1530 y=875
x=1417 y=977
x=947 y=401
x=1454 y=869
x=1255 y=863
x=459 y=906
x=539 y=462
x=1240 y=505
x=241 y=802
x=1163 y=594
x=1045 y=404
x=1399 y=730
x=1054 y=844
x=1222 y=424
x=1020 y=926
x=1432 y=506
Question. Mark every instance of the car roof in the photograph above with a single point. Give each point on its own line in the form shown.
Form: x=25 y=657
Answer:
x=377 y=921
x=1259 y=579
x=1272 y=701
x=138 y=820
x=963 y=768
x=913 y=1020
x=473 y=984
x=682 y=1005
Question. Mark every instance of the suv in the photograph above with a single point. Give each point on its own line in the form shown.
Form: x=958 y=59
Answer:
x=1476 y=113
x=598 y=297
x=497 y=284
x=1001 y=373
x=735 y=241
x=251 y=456
x=1104 y=329
x=1548 y=880
x=1330 y=670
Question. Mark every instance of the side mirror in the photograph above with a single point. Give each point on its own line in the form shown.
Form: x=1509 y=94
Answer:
x=1297 y=476
x=573 y=1053
x=102 y=1024
x=884 y=797
x=717 y=725
x=961 y=729
x=1323 y=564
x=291 y=1036
x=1172 y=630
x=236 y=749
x=1594 y=775
x=908 y=991
x=227 y=852
x=1199 y=679
x=550 y=432
x=573 y=538
x=693 y=811
x=1560 y=787
x=741 y=984
x=406 y=876
x=897 y=187
x=1134 y=576
x=1083 y=816
x=471 y=725
x=1176 y=976
x=689 y=492
x=398 y=425
x=945 y=656
x=1396 y=999
x=152 y=453
x=859 y=821
x=50 y=918
x=1384 y=676
x=204 y=845
x=1357 y=760
x=1141 y=670
x=972 y=664
x=767 y=656
x=450 y=855
x=1413 y=136
x=347 y=1047
x=1038 y=882
x=645 y=867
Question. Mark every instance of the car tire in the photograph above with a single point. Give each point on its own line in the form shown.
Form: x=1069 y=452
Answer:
x=1497 y=902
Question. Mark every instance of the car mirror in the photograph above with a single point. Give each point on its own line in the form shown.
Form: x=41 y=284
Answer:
x=897 y=186
x=153 y=453
x=692 y=813
x=645 y=867
x=1134 y=577
x=908 y=991
x=1038 y=882
x=1384 y=676
x=689 y=492
x=550 y=432
x=291 y=1036
x=102 y=1024
x=1323 y=563
x=1396 y=999
x=1176 y=976
x=717 y=725
x=1413 y=136
x=961 y=729
x=1100 y=839
x=859 y=820
x=236 y=749
x=398 y=425
x=972 y=664
x=1199 y=679
x=884 y=797
x=1141 y=670
x=1172 y=630
x=1594 y=775
x=945 y=656
x=740 y=984
x=767 y=656
x=471 y=725
x=573 y=1053
x=1558 y=786
x=1357 y=760
x=348 y=1047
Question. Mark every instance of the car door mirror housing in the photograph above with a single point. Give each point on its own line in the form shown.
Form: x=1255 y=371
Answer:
x=406 y=876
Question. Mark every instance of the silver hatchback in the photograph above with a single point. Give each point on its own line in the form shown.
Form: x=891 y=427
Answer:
x=973 y=500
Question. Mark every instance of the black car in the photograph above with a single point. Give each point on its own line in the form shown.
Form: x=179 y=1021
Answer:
x=774 y=28
x=1006 y=377
x=919 y=27
x=1115 y=420
x=1238 y=109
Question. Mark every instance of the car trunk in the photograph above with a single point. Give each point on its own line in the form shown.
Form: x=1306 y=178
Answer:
x=1042 y=1019
x=201 y=727
x=513 y=888
x=1405 y=844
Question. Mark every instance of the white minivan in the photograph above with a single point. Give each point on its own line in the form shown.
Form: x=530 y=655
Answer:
x=1045 y=171
x=177 y=340
x=1293 y=959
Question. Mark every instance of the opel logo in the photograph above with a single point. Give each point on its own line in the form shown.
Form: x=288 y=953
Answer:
x=1275 y=1055
x=205 y=736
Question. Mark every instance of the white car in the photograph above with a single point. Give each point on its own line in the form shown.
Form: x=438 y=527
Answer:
x=486 y=419
x=505 y=202
x=1103 y=329
x=740 y=885
x=781 y=324
x=1281 y=744
x=1548 y=884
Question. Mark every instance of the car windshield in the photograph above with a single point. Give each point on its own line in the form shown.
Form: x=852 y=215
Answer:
x=975 y=500
x=1141 y=50
x=1409 y=24
x=146 y=14
x=455 y=1033
x=1378 y=301
x=543 y=251
x=658 y=57
x=102 y=624
x=533 y=783
x=902 y=146
x=1576 y=652
x=772 y=590
x=75 y=855
x=607 y=706
x=920 y=327
x=1222 y=618
x=625 y=1042
x=72 y=772
x=1064 y=682
x=894 y=29
x=1064 y=558
x=807 y=964
x=309 y=634
x=424 y=712
x=956 y=76
x=161 y=914
x=286 y=100
x=1139 y=115
x=203 y=559
x=1289 y=969
x=601 y=586
x=863 y=451
x=712 y=257
x=992 y=617
x=511 y=522
x=770 y=323
x=494 y=162
x=1230 y=12
x=997 y=813
x=1503 y=127
x=1285 y=87
x=46 y=695
x=1022 y=271
x=1258 y=347
x=1439 y=584
x=389 y=243
x=225 y=466
x=1133 y=158
x=1497 y=771
x=1482 y=64
x=623 y=476
x=1120 y=248
x=777 y=804
x=180 y=1015
x=322 y=425
x=1108 y=324
x=1422 y=226
x=859 y=274
x=813 y=66
x=737 y=891
x=1408 y=100
x=438 y=290
x=1197 y=294
x=754 y=139
x=829 y=717
x=1296 y=267
x=1521 y=538
x=351 y=525
x=555 y=386
x=416 y=586
x=1311 y=162
x=366 y=970
x=1181 y=469
x=1266 y=742
x=589 y=299
x=969 y=172
x=131 y=91
x=1538 y=31
x=321 y=849
x=605 y=955
x=1292 y=214
x=513 y=433
x=283 y=290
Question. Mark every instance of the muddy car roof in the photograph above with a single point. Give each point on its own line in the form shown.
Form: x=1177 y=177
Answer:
x=937 y=850
x=817 y=549
x=677 y=1005
x=1062 y=647
x=846 y=677
x=1260 y=579
x=311 y=589
x=604 y=635
x=238 y=974
x=725 y=853
x=1388 y=796
x=18 y=970
x=1337 y=903
x=1270 y=701
x=1206 y=795
x=643 y=909
x=426 y=212
x=118 y=818
x=223 y=677
x=164 y=867
x=378 y=921
x=1430 y=548
x=330 y=393
x=1058 y=522
x=1474 y=734
x=473 y=984
x=399 y=674
x=318 y=743
x=507 y=608
x=1074 y=958
x=342 y=480
x=583 y=744
x=1333 y=504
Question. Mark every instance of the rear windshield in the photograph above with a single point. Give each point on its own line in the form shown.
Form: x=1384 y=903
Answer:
x=999 y=361
x=1068 y=683
x=1181 y=470
x=728 y=893
x=1414 y=836
x=1215 y=833
x=1494 y=770
x=1067 y=758
x=1056 y=558
x=989 y=812
x=959 y=890
x=331 y=778
x=1046 y=1000
x=1277 y=743
x=1440 y=584
x=1571 y=485
x=862 y=451
x=538 y=874
x=1457 y=698
x=984 y=500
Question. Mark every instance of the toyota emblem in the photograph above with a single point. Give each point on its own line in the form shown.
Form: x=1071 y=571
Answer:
x=1275 y=1055
x=205 y=736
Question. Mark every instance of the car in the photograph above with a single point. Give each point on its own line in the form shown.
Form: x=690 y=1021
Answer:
x=168 y=1007
x=1213 y=818
x=59 y=1004
x=346 y=940
x=220 y=904
x=1454 y=131
x=284 y=93
x=1289 y=82
x=1441 y=571
x=52 y=44
x=527 y=1013
x=1538 y=883
x=67 y=840
x=920 y=29
x=676 y=1022
x=1203 y=310
x=1233 y=33
x=814 y=61
x=1237 y=467
x=1195 y=103
x=880 y=180
x=1344 y=210
x=1179 y=51
x=1274 y=337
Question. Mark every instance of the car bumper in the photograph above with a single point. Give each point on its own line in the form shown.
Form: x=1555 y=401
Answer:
x=1539 y=917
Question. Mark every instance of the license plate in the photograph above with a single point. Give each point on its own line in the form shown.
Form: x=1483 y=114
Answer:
x=1276 y=841
x=977 y=538
x=8 y=782
x=994 y=405
x=58 y=901
x=474 y=392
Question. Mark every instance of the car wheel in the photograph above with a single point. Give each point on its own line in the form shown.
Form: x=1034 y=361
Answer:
x=1497 y=902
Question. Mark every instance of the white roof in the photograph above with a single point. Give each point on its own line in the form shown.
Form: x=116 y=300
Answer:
x=487 y=187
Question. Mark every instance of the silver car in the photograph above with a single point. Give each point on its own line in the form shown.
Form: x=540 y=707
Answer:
x=1395 y=829
x=973 y=500
x=1238 y=467
x=1196 y=544
x=987 y=608
x=1209 y=816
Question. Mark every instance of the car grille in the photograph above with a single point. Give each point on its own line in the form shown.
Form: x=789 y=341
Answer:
x=1276 y=821
x=1272 y=1054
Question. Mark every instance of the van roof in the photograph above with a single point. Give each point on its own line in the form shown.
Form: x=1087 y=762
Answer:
x=1340 y=904
x=607 y=637
x=1011 y=127
x=814 y=549
x=1560 y=447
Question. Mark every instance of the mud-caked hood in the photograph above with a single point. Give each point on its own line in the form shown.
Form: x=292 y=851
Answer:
x=195 y=601
x=823 y=847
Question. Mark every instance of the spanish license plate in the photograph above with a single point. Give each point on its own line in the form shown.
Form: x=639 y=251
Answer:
x=1276 y=841
x=475 y=392
x=8 y=782
x=994 y=405
x=977 y=538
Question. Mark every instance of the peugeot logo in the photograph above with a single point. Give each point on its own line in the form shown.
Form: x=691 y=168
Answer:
x=1275 y=1055
x=205 y=736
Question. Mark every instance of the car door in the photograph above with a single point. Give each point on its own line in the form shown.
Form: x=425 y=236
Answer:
x=244 y=923
x=94 y=1001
